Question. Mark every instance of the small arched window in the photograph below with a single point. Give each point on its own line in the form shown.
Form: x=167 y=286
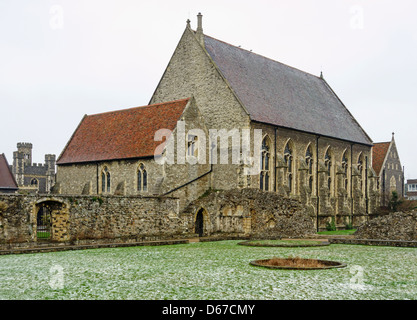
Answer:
x=34 y=182
x=265 y=164
x=142 y=178
x=288 y=158
x=105 y=180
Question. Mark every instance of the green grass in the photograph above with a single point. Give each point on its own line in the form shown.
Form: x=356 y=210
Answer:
x=209 y=271
x=338 y=232
x=43 y=235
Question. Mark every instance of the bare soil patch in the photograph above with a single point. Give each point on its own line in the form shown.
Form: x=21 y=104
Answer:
x=297 y=263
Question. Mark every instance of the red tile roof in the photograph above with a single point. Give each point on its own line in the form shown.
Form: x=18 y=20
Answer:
x=379 y=151
x=7 y=181
x=122 y=134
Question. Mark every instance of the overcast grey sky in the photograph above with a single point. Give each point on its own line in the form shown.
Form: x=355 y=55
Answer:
x=61 y=59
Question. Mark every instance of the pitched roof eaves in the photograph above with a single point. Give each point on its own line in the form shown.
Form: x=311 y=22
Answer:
x=105 y=160
x=313 y=133
x=139 y=107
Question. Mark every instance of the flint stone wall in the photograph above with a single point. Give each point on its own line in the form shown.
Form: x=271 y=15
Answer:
x=252 y=213
x=394 y=226
x=121 y=219
x=86 y=219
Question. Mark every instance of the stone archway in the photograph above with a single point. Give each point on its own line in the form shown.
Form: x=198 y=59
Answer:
x=51 y=218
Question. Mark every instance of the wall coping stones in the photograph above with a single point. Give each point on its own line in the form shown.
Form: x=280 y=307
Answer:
x=375 y=242
x=64 y=247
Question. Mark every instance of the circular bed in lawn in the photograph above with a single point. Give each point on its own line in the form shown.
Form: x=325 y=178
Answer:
x=285 y=243
x=297 y=263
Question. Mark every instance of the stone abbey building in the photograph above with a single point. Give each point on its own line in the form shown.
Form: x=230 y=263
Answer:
x=311 y=148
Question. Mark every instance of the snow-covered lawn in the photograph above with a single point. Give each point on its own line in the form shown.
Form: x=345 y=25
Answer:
x=211 y=270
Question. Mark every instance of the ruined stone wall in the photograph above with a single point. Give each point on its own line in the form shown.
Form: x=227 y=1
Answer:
x=16 y=222
x=109 y=219
x=78 y=219
x=251 y=213
x=394 y=226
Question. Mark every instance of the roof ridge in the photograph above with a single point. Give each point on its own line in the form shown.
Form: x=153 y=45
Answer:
x=301 y=91
x=140 y=107
x=265 y=57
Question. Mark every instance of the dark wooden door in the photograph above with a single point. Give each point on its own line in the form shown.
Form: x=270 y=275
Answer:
x=199 y=223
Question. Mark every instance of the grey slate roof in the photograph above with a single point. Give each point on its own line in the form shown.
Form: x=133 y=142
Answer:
x=277 y=94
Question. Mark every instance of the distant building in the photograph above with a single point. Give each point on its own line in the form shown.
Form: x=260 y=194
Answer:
x=33 y=177
x=387 y=166
x=411 y=189
x=7 y=182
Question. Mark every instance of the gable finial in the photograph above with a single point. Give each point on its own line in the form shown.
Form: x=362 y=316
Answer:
x=321 y=75
x=188 y=23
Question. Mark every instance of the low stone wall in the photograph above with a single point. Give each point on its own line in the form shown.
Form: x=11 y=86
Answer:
x=251 y=213
x=63 y=246
x=89 y=219
x=85 y=220
x=393 y=226
x=16 y=221
x=373 y=242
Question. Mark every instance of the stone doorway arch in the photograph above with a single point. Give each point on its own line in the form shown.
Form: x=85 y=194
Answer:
x=51 y=217
x=43 y=223
x=200 y=222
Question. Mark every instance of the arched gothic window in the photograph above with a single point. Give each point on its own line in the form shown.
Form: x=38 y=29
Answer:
x=265 y=165
x=288 y=158
x=345 y=170
x=309 y=162
x=142 y=178
x=34 y=182
x=105 y=180
x=328 y=164
x=360 y=168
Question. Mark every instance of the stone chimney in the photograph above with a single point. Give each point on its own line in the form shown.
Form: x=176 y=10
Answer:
x=199 y=31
